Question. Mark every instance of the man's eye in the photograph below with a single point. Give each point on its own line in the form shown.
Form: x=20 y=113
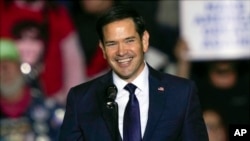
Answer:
x=110 y=44
x=130 y=41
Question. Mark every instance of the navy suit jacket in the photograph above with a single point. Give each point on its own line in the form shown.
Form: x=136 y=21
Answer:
x=174 y=111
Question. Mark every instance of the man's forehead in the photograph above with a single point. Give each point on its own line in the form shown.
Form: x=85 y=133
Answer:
x=120 y=29
x=121 y=22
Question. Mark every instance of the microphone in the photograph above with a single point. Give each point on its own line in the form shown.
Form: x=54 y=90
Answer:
x=111 y=95
x=113 y=107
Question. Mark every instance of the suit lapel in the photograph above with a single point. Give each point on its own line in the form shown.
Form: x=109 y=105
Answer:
x=108 y=114
x=156 y=102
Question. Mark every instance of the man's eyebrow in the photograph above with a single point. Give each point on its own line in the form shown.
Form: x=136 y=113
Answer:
x=107 y=42
x=128 y=38
x=132 y=37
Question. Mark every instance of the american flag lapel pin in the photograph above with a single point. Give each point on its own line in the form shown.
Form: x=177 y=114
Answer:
x=161 y=89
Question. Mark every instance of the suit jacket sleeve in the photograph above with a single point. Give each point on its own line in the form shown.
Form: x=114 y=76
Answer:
x=70 y=131
x=194 y=128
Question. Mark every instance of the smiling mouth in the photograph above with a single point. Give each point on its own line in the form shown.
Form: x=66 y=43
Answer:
x=124 y=60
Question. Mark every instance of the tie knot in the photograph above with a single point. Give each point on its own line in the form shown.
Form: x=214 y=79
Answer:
x=130 y=87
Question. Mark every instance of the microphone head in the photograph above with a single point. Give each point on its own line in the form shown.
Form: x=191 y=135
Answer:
x=111 y=92
x=111 y=95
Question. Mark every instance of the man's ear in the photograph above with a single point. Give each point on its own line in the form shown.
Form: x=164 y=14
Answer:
x=103 y=50
x=145 y=41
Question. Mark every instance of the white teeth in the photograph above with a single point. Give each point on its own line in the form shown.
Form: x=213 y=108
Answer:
x=124 y=60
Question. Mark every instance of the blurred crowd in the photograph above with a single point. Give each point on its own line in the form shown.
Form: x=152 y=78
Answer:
x=46 y=47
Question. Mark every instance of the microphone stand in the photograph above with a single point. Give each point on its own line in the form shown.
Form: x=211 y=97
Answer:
x=114 y=107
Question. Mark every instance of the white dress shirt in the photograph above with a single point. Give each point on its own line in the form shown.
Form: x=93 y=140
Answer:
x=142 y=94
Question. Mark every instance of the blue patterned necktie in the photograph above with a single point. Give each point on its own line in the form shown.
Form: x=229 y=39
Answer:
x=131 y=123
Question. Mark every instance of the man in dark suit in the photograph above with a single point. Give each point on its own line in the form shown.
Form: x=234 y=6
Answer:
x=164 y=107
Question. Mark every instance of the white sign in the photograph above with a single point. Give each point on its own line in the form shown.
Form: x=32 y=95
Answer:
x=216 y=29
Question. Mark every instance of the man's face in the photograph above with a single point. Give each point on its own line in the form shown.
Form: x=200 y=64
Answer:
x=124 y=49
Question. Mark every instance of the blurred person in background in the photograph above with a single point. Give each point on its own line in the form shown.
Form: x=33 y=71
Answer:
x=225 y=88
x=24 y=113
x=183 y=65
x=64 y=64
x=30 y=39
x=223 y=84
x=215 y=125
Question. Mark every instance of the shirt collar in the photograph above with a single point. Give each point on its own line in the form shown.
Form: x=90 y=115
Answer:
x=139 y=81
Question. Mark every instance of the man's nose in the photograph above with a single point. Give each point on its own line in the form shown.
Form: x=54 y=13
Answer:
x=121 y=50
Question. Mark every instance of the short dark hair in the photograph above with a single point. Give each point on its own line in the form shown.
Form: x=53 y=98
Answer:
x=26 y=25
x=119 y=12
